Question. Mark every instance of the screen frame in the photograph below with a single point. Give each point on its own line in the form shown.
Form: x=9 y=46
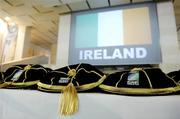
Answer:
x=153 y=49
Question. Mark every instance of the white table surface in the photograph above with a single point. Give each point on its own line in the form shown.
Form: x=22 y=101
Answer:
x=32 y=104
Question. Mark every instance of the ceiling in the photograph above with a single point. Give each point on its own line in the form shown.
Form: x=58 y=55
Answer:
x=43 y=15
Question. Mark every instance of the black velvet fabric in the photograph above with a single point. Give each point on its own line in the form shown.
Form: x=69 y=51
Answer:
x=157 y=78
x=1 y=77
x=85 y=74
x=175 y=75
x=34 y=73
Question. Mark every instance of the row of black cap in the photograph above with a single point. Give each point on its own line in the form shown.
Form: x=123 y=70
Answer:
x=86 y=77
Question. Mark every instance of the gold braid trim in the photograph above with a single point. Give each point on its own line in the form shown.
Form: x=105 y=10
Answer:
x=171 y=79
x=52 y=87
x=144 y=91
x=141 y=69
x=89 y=72
x=91 y=85
x=39 y=68
x=21 y=84
x=10 y=75
x=49 y=90
x=17 y=67
x=24 y=84
x=47 y=87
x=3 y=85
x=177 y=88
x=60 y=72
x=120 y=79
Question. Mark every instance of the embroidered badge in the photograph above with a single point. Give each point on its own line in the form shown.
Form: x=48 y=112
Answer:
x=63 y=80
x=17 y=75
x=133 y=78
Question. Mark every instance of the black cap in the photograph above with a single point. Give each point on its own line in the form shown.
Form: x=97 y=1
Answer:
x=23 y=76
x=139 y=81
x=83 y=76
x=1 y=77
x=175 y=75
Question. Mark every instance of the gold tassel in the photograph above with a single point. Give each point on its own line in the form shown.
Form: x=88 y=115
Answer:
x=69 y=100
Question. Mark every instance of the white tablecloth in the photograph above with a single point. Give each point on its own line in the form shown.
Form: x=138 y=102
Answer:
x=32 y=104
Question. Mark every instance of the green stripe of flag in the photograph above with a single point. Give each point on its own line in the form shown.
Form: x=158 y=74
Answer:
x=86 y=31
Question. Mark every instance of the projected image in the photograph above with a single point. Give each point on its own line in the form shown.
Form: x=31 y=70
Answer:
x=113 y=28
x=121 y=35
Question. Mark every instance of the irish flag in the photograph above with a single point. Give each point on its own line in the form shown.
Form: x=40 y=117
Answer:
x=113 y=28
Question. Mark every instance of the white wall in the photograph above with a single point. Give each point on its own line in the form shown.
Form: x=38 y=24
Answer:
x=63 y=40
x=168 y=37
x=3 y=33
x=20 y=45
x=37 y=50
x=53 y=53
x=178 y=32
x=24 y=48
